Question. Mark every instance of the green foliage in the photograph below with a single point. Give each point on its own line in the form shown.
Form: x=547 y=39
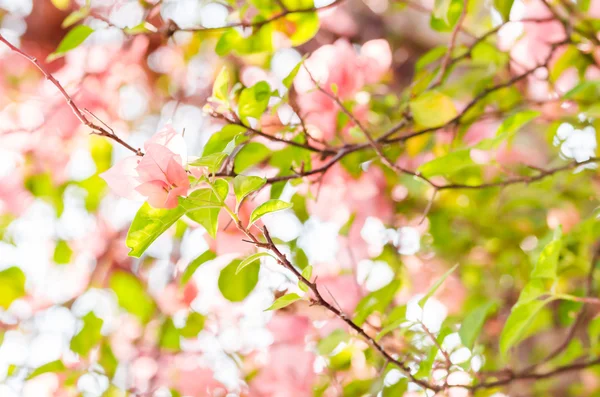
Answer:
x=193 y=325
x=53 y=366
x=250 y=260
x=284 y=301
x=195 y=264
x=473 y=322
x=72 y=40
x=244 y=185
x=89 y=336
x=254 y=100
x=62 y=253
x=132 y=296
x=12 y=286
x=267 y=208
x=375 y=301
x=169 y=336
x=432 y=109
x=235 y=286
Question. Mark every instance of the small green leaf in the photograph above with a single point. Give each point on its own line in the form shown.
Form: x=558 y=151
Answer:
x=132 y=296
x=149 y=223
x=436 y=285
x=107 y=360
x=213 y=198
x=221 y=86
x=328 y=344
x=236 y=287
x=284 y=301
x=447 y=164
x=289 y=79
x=473 y=322
x=89 y=336
x=219 y=140
x=251 y=154
x=432 y=109
x=62 y=253
x=244 y=185
x=169 y=336
x=195 y=264
x=267 y=208
x=72 y=40
x=445 y=14
x=193 y=325
x=503 y=7
x=75 y=17
x=548 y=261
x=12 y=286
x=518 y=322
x=304 y=27
x=53 y=366
x=254 y=100
x=376 y=301
x=212 y=161
x=250 y=260
x=307 y=274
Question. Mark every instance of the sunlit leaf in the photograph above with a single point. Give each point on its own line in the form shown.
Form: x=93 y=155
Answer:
x=432 y=109
x=132 y=296
x=235 y=287
x=193 y=325
x=267 y=208
x=169 y=336
x=53 y=366
x=284 y=301
x=12 y=286
x=89 y=336
x=254 y=100
x=518 y=322
x=437 y=285
x=250 y=260
x=473 y=322
x=244 y=185
x=72 y=40
x=195 y=264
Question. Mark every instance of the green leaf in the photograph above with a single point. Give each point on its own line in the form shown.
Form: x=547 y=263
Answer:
x=328 y=344
x=503 y=7
x=220 y=89
x=570 y=58
x=250 y=260
x=89 y=336
x=195 y=264
x=267 y=208
x=445 y=14
x=219 y=140
x=436 y=285
x=548 y=261
x=473 y=322
x=212 y=161
x=587 y=91
x=376 y=301
x=289 y=79
x=149 y=223
x=518 y=322
x=284 y=301
x=208 y=216
x=307 y=274
x=12 y=286
x=252 y=154
x=193 y=325
x=244 y=185
x=304 y=26
x=447 y=164
x=62 y=253
x=509 y=127
x=169 y=336
x=53 y=366
x=432 y=109
x=72 y=40
x=236 y=287
x=107 y=360
x=132 y=296
x=75 y=17
x=254 y=100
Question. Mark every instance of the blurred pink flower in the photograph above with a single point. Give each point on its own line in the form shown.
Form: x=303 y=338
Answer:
x=341 y=65
x=158 y=175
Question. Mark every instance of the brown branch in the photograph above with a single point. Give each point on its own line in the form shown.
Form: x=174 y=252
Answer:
x=96 y=129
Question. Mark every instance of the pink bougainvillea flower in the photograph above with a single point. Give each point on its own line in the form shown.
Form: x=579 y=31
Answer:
x=159 y=176
x=339 y=65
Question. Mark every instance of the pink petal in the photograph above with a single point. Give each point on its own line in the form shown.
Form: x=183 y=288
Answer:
x=155 y=162
x=176 y=175
x=172 y=198
x=377 y=57
x=169 y=138
x=122 y=178
x=156 y=192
